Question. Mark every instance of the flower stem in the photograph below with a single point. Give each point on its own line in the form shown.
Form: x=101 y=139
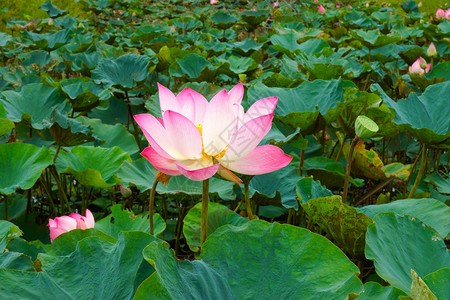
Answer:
x=423 y=163
x=348 y=168
x=205 y=200
x=151 y=203
x=5 y=213
x=247 y=202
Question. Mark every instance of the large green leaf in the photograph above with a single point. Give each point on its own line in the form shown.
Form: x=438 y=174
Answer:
x=251 y=260
x=307 y=188
x=439 y=283
x=373 y=290
x=329 y=172
x=398 y=244
x=112 y=135
x=432 y=212
x=123 y=220
x=373 y=38
x=69 y=132
x=16 y=261
x=301 y=107
x=124 y=72
x=50 y=40
x=218 y=216
x=35 y=104
x=52 y=10
x=8 y=232
x=425 y=116
x=342 y=222
x=92 y=166
x=142 y=174
x=180 y=280
x=5 y=124
x=301 y=265
x=21 y=165
x=275 y=188
x=97 y=269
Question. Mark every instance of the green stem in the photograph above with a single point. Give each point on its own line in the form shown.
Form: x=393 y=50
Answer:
x=348 y=168
x=239 y=205
x=130 y=117
x=56 y=154
x=420 y=173
x=5 y=213
x=247 y=202
x=60 y=188
x=49 y=195
x=302 y=159
x=151 y=204
x=205 y=200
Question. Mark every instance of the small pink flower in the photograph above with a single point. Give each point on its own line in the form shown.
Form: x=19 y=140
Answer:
x=64 y=224
x=321 y=9
x=447 y=14
x=316 y=1
x=197 y=139
x=276 y=4
x=213 y=2
x=338 y=5
x=420 y=4
x=440 y=13
x=417 y=67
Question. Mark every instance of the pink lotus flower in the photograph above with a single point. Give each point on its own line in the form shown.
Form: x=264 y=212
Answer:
x=447 y=14
x=440 y=13
x=321 y=9
x=338 y=5
x=64 y=224
x=198 y=139
x=316 y=1
x=416 y=67
x=213 y=2
x=276 y=4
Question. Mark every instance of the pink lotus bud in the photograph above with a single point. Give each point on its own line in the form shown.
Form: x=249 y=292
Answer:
x=367 y=4
x=422 y=63
x=427 y=69
x=447 y=14
x=440 y=13
x=50 y=22
x=338 y=5
x=213 y=2
x=64 y=224
x=172 y=29
x=316 y=1
x=321 y=9
x=276 y=4
x=431 y=51
x=349 y=6
x=126 y=192
x=420 y=4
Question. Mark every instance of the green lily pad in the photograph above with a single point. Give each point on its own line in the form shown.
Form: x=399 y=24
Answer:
x=218 y=216
x=8 y=232
x=223 y=21
x=194 y=67
x=373 y=290
x=67 y=242
x=21 y=166
x=344 y=223
x=313 y=266
x=432 y=212
x=17 y=204
x=50 y=40
x=52 y=10
x=303 y=107
x=84 y=95
x=307 y=189
x=124 y=72
x=92 y=166
x=142 y=174
x=16 y=261
x=252 y=18
x=112 y=135
x=398 y=244
x=329 y=172
x=301 y=265
x=180 y=280
x=5 y=124
x=69 y=132
x=123 y=220
x=373 y=38
x=275 y=188
x=97 y=268
x=441 y=183
x=35 y=104
x=439 y=283
x=424 y=116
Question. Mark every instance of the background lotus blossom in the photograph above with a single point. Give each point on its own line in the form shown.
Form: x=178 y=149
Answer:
x=417 y=67
x=440 y=13
x=321 y=9
x=64 y=224
x=431 y=51
x=198 y=139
